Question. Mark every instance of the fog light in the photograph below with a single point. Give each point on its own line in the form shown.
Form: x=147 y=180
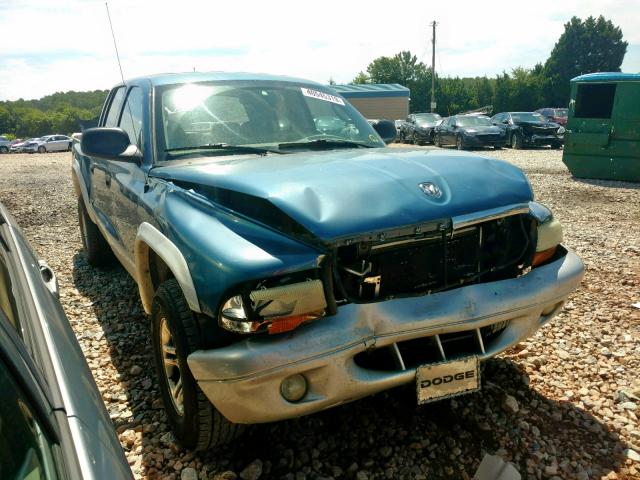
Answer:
x=293 y=388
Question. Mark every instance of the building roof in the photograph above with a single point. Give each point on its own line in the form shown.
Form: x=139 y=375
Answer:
x=370 y=90
x=608 y=77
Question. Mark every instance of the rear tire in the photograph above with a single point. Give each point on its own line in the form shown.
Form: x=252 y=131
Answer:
x=96 y=248
x=174 y=331
x=4 y=149
x=516 y=141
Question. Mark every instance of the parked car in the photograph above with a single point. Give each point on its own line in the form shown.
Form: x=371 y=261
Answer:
x=18 y=147
x=525 y=129
x=53 y=423
x=5 y=144
x=399 y=125
x=469 y=131
x=48 y=143
x=287 y=270
x=418 y=128
x=557 y=115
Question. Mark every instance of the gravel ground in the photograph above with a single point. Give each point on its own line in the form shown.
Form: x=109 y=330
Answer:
x=562 y=405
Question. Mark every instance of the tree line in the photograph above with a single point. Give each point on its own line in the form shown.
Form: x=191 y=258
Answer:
x=592 y=45
x=57 y=113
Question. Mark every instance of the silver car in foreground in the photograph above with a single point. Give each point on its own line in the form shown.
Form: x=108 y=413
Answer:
x=53 y=423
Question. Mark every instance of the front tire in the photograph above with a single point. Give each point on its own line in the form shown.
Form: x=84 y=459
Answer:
x=4 y=149
x=174 y=331
x=96 y=248
x=41 y=149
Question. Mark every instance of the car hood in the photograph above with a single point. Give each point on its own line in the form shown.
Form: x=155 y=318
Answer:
x=481 y=130
x=342 y=193
x=539 y=126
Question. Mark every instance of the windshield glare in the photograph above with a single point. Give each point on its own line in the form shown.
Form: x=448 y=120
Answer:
x=257 y=114
x=527 y=117
x=427 y=118
x=473 y=121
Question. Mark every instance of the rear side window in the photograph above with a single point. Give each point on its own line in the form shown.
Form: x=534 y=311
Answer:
x=26 y=452
x=111 y=119
x=595 y=100
x=7 y=300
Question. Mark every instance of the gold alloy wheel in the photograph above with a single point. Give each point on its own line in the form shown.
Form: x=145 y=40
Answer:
x=172 y=371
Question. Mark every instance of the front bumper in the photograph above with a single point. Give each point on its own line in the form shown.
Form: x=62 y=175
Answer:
x=31 y=149
x=243 y=380
x=544 y=139
x=489 y=141
x=424 y=135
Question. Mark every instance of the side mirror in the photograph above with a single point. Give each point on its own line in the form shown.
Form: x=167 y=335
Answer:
x=386 y=129
x=110 y=143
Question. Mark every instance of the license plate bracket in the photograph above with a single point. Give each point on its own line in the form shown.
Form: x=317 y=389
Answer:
x=450 y=378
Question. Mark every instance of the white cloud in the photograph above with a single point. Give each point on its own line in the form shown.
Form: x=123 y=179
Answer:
x=56 y=47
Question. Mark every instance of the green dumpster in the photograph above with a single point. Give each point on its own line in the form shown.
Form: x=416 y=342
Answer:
x=603 y=131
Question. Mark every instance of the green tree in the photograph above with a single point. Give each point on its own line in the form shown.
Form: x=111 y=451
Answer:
x=592 y=45
x=361 y=78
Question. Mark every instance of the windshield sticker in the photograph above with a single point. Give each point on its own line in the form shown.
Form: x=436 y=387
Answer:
x=307 y=92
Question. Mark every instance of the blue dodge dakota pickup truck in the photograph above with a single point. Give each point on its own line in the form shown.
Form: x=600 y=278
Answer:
x=291 y=262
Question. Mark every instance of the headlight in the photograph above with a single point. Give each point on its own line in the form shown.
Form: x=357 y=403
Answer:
x=549 y=233
x=278 y=309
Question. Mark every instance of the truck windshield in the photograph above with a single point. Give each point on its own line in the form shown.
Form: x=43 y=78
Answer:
x=254 y=113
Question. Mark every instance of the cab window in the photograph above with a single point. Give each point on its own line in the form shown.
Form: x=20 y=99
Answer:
x=131 y=118
x=111 y=118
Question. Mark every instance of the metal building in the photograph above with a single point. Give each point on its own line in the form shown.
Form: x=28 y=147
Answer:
x=375 y=100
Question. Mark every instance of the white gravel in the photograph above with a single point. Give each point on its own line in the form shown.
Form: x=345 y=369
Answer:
x=564 y=404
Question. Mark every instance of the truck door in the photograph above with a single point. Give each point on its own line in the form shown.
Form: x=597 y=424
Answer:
x=128 y=179
x=624 y=142
x=99 y=168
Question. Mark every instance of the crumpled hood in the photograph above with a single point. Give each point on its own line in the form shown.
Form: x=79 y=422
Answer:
x=344 y=192
x=539 y=127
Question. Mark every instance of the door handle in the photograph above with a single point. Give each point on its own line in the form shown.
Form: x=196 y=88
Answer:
x=49 y=278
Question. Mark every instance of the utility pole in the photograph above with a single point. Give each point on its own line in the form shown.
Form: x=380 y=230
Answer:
x=433 y=68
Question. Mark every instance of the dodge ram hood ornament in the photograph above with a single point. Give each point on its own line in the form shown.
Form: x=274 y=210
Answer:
x=430 y=189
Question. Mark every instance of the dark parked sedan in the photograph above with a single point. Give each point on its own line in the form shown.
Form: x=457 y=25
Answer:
x=529 y=129
x=469 y=131
x=418 y=128
x=53 y=423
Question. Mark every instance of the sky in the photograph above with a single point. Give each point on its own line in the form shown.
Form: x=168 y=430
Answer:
x=50 y=46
